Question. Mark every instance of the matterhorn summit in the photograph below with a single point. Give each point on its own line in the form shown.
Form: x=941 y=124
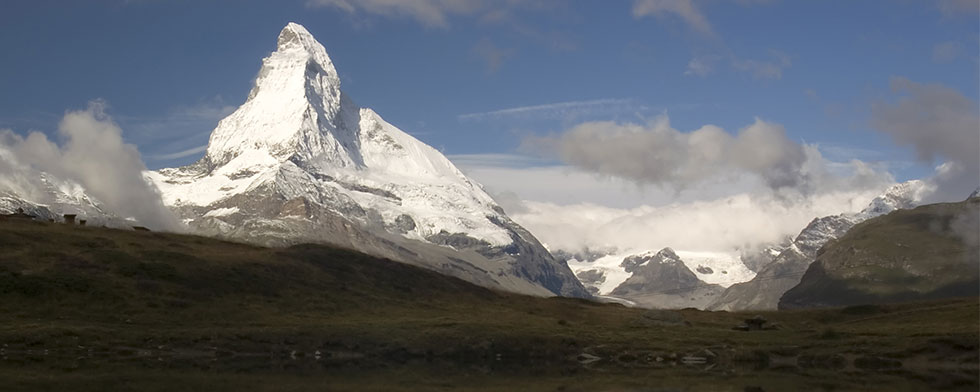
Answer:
x=299 y=161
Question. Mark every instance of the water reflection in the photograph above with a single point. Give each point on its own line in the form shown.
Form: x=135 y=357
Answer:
x=276 y=372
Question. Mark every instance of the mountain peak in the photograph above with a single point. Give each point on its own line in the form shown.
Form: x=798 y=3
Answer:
x=296 y=37
x=294 y=34
x=295 y=107
x=668 y=254
x=903 y=195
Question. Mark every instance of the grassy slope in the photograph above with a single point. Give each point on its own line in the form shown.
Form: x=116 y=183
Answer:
x=906 y=255
x=136 y=294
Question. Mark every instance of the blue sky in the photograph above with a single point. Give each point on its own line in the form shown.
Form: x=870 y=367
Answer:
x=478 y=77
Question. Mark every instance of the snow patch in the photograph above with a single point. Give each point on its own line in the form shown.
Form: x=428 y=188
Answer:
x=221 y=212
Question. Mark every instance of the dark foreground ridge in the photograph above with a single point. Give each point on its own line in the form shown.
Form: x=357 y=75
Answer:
x=93 y=308
x=930 y=252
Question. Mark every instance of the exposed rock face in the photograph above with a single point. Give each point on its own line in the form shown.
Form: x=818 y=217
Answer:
x=787 y=268
x=930 y=252
x=755 y=259
x=662 y=280
x=299 y=161
x=591 y=279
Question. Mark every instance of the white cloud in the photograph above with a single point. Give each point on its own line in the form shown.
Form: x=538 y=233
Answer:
x=644 y=187
x=534 y=179
x=723 y=225
x=658 y=154
x=941 y=124
x=571 y=209
x=94 y=155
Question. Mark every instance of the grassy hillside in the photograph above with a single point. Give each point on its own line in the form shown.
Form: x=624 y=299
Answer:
x=928 y=252
x=87 y=307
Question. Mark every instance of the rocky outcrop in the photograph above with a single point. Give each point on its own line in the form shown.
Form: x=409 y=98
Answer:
x=926 y=253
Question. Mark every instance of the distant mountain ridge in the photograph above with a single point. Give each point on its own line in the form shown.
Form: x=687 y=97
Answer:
x=929 y=252
x=662 y=280
x=788 y=266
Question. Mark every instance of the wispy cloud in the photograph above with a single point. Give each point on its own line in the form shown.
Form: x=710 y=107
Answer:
x=690 y=12
x=701 y=66
x=177 y=134
x=684 y=9
x=556 y=110
x=946 y=52
x=766 y=68
x=431 y=13
x=179 y=154
x=437 y=13
x=491 y=54
x=959 y=8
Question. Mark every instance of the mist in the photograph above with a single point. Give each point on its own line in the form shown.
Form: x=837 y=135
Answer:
x=92 y=154
x=729 y=215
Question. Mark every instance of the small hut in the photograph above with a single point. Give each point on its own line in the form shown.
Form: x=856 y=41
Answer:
x=757 y=323
x=70 y=219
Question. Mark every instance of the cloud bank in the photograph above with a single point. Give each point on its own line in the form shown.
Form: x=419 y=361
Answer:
x=95 y=156
x=638 y=187
x=726 y=225
x=658 y=154
x=571 y=209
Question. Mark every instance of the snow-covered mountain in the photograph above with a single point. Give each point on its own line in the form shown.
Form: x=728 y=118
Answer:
x=788 y=266
x=663 y=280
x=660 y=279
x=602 y=274
x=46 y=196
x=299 y=161
x=749 y=280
